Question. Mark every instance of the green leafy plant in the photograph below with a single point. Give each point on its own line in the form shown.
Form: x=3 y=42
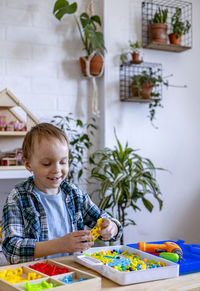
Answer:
x=160 y=16
x=124 y=179
x=134 y=47
x=153 y=79
x=80 y=141
x=179 y=27
x=91 y=37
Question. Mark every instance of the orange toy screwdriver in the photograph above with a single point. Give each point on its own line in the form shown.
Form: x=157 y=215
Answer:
x=155 y=249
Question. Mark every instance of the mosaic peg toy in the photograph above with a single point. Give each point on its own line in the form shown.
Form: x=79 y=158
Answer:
x=70 y=280
x=50 y=270
x=94 y=230
x=40 y=286
x=14 y=276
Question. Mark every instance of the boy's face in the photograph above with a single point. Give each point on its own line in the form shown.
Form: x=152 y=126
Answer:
x=49 y=164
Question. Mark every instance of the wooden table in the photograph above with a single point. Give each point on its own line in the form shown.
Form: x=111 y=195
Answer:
x=182 y=283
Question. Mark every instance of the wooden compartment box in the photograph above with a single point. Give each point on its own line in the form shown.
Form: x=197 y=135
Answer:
x=88 y=281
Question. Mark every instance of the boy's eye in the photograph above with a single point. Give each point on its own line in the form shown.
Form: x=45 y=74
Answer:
x=63 y=162
x=46 y=164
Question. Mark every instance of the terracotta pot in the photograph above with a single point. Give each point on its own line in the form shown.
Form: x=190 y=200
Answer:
x=157 y=32
x=136 y=57
x=96 y=64
x=175 y=38
x=147 y=89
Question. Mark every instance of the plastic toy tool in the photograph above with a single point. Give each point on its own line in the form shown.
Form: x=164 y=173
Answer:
x=156 y=249
x=94 y=230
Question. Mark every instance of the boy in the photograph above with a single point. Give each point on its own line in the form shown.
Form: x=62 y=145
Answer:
x=45 y=216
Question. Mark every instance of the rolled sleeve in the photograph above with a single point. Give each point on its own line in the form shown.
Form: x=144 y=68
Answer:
x=18 y=250
x=15 y=246
x=120 y=229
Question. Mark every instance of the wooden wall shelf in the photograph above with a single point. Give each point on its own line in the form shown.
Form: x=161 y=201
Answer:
x=136 y=99
x=166 y=47
x=8 y=168
x=13 y=173
x=12 y=133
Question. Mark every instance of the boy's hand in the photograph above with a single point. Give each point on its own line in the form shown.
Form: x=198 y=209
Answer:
x=77 y=241
x=108 y=229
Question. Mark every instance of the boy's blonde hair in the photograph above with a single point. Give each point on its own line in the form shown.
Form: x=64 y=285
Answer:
x=39 y=131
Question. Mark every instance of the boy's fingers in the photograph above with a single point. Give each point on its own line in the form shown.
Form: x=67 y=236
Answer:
x=82 y=232
x=105 y=222
x=86 y=238
x=86 y=245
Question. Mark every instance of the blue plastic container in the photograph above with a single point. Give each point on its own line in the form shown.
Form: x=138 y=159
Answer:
x=191 y=256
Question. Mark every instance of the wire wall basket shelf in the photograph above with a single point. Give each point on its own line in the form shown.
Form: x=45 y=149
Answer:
x=127 y=71
x=149 y=7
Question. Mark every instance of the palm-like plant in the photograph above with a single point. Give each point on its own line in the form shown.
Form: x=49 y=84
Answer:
x=124 y=178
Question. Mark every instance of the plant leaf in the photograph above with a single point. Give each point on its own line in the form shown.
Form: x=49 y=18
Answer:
x=147 y=204
x=62 y=7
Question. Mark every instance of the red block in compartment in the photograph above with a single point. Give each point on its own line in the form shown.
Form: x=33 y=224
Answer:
x=50 y=270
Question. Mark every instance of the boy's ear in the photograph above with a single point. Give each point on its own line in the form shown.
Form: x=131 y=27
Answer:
x=27 y=165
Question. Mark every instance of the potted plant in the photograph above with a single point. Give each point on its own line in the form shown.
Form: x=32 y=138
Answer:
x=92 y=39
x=124 y=179
x=134 y=51
x=158 y=27
x=179 y=27
x=142 y=87
x=80 y=141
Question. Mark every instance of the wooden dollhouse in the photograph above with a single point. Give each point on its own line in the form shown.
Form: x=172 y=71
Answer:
x=13 y=128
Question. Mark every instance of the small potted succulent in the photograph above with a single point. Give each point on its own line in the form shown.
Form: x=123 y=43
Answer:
x=135 y=51
x=92 y=39
x=142 y=87
x=158 y=27
x=179 y=28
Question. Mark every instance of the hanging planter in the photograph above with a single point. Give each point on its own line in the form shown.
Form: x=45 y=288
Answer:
x=88 y=24
x=95 y=65
x=92 y=39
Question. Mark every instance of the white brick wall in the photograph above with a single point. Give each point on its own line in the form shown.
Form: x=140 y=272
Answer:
x=39 y=56
x=39 y=59
x=10 y=16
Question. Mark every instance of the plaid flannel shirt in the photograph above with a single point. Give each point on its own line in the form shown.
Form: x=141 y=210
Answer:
x=24 y=220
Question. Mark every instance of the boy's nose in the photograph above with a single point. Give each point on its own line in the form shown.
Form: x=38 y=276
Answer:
x=56 y=168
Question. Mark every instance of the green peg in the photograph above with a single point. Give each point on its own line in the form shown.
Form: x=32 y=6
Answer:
x=170 y=256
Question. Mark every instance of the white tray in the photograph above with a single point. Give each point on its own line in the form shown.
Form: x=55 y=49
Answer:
x=125 y=278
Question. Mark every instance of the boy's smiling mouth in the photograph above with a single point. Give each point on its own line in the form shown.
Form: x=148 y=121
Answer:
x=54 y=178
